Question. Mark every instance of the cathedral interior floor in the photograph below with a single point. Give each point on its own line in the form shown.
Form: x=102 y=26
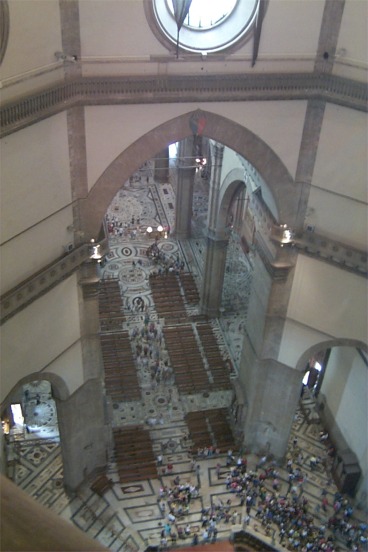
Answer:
x=128 y=517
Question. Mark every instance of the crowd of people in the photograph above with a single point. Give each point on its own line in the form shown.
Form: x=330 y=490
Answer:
x=118 y=228
x=290 y=514
x=174 y=503
x=164 y=263
x=150 y=352
x=288 y=517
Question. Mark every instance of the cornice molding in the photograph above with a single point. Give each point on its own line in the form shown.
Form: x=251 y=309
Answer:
x=184 y=88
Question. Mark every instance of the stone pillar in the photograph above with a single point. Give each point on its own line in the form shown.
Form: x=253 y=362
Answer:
x=213 y=277
x=271 y=391
x=161 y=169
x=217 y=241
x=241 y=205
x=217 y=154
x=184 y=192
x=84 y=433
x=89 y=320
x=278 y=301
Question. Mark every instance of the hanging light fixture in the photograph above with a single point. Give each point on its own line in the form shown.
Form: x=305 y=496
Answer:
x=95 y=251
x=283 y=235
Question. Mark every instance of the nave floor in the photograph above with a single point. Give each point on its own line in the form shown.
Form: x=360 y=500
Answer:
x=127 y=518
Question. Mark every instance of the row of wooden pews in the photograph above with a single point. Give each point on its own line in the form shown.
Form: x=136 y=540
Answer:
x=110 y=306
x=190 y=288
x=121 y=379
x=199 y=432
x=186 y=359
x=218 y=366
x=211 y=428
x=134 y=454
x=221 y=429
x=166 y=295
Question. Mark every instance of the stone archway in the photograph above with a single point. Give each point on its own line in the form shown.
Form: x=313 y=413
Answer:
x=328 y=344
x=30 y=415
x=50 y=390
x=338 y=403
x=286 y=193
x=58 y=386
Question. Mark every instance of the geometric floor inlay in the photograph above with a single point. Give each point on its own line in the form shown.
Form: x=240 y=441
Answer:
x=130 y=517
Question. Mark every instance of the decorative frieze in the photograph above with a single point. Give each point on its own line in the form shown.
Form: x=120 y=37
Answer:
x=349 y=258
x=183 y=88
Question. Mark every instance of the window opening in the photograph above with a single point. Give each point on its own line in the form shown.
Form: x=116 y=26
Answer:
x=204 y=14
x=209 y=26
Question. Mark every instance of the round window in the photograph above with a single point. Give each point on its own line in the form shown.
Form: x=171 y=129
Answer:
x=205 y=14
x=209 y=26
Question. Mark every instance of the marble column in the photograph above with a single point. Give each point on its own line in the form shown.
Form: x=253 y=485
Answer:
x=217 y=241
x=217 y=154
x=213 y=277
x=184 y=192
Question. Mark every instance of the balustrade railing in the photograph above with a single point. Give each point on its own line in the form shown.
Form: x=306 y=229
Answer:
x=337 y=253
x=22 y=295
x=111 y=90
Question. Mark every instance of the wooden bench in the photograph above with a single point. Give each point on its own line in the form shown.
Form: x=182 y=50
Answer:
x=101 y=485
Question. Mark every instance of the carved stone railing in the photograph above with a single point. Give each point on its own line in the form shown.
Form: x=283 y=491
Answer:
x=19 y=297
x=135 y=90
x=337 y=253
x=316 y=246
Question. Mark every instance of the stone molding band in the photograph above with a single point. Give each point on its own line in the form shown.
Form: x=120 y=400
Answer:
x=21 y=296
x=169 y=89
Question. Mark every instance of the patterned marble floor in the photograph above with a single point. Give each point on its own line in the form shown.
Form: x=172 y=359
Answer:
x=128 y=518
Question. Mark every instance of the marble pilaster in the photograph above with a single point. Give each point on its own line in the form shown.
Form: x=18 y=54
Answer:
x=184 y=192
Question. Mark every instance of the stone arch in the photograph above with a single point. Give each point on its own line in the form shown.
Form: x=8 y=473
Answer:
x=59 y=388
x=233 y=180
x=229 y=133
x=328 y=344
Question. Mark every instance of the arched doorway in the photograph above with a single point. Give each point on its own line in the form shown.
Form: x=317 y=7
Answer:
x=30 y=429
x=333 y=403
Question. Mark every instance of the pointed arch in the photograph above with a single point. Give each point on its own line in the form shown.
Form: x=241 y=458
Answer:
x=240 y=139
